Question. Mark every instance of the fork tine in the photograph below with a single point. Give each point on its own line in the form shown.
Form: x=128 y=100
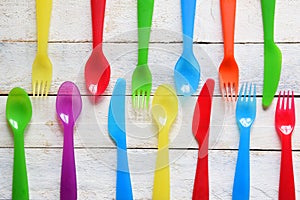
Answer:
x=136 y=100
x=227 y=91
x=293 y=102
x=142 y=99
x=241 y=92
x=47 y=88
x=250 y=92
x=278 y=106
x=43 y=88
x=288 y=100
x=254 y=92
x=39 y=88
x=147 y=99
x=285 y=100
x=236 y=90
x=222 y=88
x=33 y=87
x=231 y=91
x=139 y=100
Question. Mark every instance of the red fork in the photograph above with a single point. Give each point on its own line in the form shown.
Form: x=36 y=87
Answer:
x=284 y=124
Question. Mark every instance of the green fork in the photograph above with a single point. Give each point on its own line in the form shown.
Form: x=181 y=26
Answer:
x=142 y=78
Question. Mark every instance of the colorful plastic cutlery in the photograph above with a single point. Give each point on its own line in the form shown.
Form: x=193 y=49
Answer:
x=245 y=116
x=272 y=54
x=116 y=129
x=42 y=66
x=97 y=68
x=141 y=85
x=68 y=109
x=18 y=115
x=285 y=124
x=200 y=128
x=187 y=69
x=164 y=111
x=228 y=70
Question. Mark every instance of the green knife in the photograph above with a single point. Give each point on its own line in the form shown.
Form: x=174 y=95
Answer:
x=272 y=54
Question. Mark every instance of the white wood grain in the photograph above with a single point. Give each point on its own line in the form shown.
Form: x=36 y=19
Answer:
x=96 y=173
x=69 y=60
x=71 y=21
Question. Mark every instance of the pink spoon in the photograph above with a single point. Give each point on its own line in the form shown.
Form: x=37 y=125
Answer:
x=68 y=108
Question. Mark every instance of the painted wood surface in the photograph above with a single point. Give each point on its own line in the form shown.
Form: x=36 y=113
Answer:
x=69 y=48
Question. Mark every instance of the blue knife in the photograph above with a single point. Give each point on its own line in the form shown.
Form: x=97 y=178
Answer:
x=116 y=129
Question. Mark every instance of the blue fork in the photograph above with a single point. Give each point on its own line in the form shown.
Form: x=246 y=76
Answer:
x=245 y=116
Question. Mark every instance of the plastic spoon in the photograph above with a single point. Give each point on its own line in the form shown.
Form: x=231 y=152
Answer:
x=187 y=69
x=164 y=111
x=68 y=108
x=18 y=115
x=97 y=68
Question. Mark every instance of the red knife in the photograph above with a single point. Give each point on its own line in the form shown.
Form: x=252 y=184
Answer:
x=200 y=128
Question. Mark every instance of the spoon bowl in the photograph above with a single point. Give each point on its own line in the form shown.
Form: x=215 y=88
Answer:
x=97 y=72
x=18 y=115
x=18 y=110
x=68 y=103
x=68 y=108
x=164 y=106
x=187 y=75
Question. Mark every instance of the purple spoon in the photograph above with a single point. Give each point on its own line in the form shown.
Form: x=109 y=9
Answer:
x=68 y=108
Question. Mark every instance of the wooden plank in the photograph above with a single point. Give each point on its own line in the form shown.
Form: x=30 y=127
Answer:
x=96 y=173
x=71 y=21
x=69 y=60
x=91 y=129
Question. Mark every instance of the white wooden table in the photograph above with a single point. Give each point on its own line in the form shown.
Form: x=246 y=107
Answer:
x=69 y=48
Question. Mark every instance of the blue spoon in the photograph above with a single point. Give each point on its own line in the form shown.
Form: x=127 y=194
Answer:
x=116 y=129
x=187 y=69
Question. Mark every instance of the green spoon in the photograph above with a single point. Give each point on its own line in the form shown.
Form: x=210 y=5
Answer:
x=18 y=115
x=272 y=54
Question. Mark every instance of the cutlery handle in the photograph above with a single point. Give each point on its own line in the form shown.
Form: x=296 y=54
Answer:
x=161 y=187
x=268 y=12
x=228 y=8
x=20 y=180
x=43 y=15
x=241 y=185
x=98 y=11
x=145 y=12
x=286 y=183
x=123 y=188
x=201 y=183
x=188 y=9
x=68 y=186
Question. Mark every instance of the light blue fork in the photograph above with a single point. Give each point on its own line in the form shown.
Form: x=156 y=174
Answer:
x=245 y=116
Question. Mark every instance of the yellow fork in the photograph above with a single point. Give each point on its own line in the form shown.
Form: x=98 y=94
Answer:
x=42 y=66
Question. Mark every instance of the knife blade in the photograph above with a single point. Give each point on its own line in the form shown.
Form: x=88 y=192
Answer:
x=272 y=54
x=116 y=129
x=200 y=128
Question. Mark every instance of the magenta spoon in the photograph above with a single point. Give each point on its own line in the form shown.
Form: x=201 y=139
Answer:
x=68 y=108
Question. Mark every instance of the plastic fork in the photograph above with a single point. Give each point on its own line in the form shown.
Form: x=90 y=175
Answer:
x=284 y=124
x=245 y=116
x=142 y=77
x=42 y=66
x=228 y=70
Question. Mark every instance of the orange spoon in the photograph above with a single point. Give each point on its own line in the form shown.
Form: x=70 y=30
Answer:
x=97 y=68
